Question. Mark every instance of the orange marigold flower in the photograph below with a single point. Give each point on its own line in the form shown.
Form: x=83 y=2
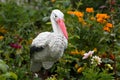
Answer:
x=74 y=52
x=80 y=69
x=100 y=20
x=109 y=25
x=104 y=21
x=70 y=12
x=95 y=49
x=106 y=16
x=81 y=19
x=3 y=30
x=78 y=14
x=106 y=29
x=76 y=66
x=82 y=52
x=1 y=37
x=89 y=10
x=77 y=52
x=103 y=16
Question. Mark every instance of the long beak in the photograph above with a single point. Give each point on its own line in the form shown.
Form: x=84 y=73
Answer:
x=62 y=27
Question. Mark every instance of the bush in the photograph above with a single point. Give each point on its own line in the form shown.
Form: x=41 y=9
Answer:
x=94 y=41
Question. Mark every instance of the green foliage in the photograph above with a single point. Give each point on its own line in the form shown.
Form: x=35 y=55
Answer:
x=3 y=67
x=20 y=23
x=4 y=73
x=86 y=3
x=51 y=78
x=94 y=73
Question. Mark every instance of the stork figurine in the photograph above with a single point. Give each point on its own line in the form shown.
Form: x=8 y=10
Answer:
x=48 y=47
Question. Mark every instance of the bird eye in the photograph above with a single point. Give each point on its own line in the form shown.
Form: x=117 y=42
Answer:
x=55 y=16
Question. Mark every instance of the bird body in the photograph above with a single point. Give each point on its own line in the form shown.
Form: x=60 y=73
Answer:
x=48 y=47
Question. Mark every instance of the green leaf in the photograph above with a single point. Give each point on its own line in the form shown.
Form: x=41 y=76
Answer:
x=2 y=78
x=107 y=60
x=45 y=19
x=3 y=66
x=10 y=75
x=48 y=23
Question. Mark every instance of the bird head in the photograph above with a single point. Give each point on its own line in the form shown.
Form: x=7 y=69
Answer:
x=58 y=17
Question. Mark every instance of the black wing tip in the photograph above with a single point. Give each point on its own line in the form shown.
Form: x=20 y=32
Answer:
x=31 y=51
x=34 y=49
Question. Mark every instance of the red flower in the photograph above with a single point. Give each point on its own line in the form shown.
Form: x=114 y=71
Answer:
x=15 y=45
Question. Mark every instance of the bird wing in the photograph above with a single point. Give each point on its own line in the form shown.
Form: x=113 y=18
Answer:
x=39 y=43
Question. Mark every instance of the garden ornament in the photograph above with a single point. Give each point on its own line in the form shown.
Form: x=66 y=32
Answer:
x=48 y=47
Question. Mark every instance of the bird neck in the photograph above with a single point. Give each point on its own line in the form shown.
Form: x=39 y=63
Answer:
x=56 y=28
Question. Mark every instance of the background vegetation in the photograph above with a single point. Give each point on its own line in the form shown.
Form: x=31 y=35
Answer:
x=93 y=29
